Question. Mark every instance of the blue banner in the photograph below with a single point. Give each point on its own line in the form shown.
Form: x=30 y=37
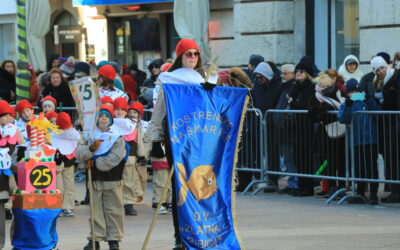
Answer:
x=204 y=128
x=110 y=2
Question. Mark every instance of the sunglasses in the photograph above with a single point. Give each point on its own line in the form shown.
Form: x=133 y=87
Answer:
x=191 y=54
x=299 y=71
x=154 y=67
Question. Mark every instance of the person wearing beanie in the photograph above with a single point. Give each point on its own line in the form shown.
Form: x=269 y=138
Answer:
x=386 y=92
x=120 y=107
x=364 y=136
x=48 y=104
x=82 y=69
x=105 y=81
x=68 y=68
x=310 y=61
x=350 y=68
x=327 y=98
x=302 y=92
x=127 y=128
x=254 y=60
x=385 y=56
x=51 y=116
x=140 y=170
x=186 y=69
x=107 y=154
x=25 y=113
x=266 y=95
x=155 y=70
x=106 y=100
x=66 y=144
x=268 y=89
x=58 y=88
x=8 y=139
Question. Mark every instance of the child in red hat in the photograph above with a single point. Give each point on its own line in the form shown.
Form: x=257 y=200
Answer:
x=106 y=100
x=25 y=113
x=127 y=128
x=8 y=140
x=140 y=169
x=48 y=104
x=51 y=116
x=66 y=144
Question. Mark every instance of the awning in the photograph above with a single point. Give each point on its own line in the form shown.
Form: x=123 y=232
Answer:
x=76 y=3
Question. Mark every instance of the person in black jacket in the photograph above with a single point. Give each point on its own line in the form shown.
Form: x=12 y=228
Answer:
x=385 y=88
x=155 y=70
x=299 y=99
x=283 y=132
x=266 y=96
x=327 y=98
x=59 y=89
x=7 y=86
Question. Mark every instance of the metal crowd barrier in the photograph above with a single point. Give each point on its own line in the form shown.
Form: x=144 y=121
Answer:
x=250 y=165
x=381 y=129
x=295 y=146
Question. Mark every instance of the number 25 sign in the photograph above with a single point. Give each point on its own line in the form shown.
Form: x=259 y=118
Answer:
x=37 y=175
x=87 y=100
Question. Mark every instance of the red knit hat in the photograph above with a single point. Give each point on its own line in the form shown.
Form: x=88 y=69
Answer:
x=165 y=67
x=107 y=71
x=107 y=99
x=120 y=102
x=23 y=104
x=184 y=45
x=107 y=108
x=137 y=106
x=5 y=108
x=51 y=114
x=49 y=98
x=64 y=121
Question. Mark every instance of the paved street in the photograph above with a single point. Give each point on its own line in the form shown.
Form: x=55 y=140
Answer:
x=265 y=221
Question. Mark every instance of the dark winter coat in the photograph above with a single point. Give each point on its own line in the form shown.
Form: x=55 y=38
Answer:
x=62 y=94
x=266 y=96
x=7 y=84
x=140 y=78
x=286 y=88
x=366 y=84
x=324 y=147
x=301 y=94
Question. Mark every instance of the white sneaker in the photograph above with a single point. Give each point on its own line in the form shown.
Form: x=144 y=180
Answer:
x=68 y=213
x=163 y=210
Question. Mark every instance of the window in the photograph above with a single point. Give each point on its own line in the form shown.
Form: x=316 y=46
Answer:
x=8 y=48
x=346 y=30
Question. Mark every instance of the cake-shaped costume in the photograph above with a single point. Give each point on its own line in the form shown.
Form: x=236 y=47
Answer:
x=37 y=204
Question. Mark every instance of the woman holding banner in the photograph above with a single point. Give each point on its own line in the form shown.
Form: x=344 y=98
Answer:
x=187 y=69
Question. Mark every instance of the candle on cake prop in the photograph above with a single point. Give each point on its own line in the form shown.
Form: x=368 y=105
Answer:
x=37 y=203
